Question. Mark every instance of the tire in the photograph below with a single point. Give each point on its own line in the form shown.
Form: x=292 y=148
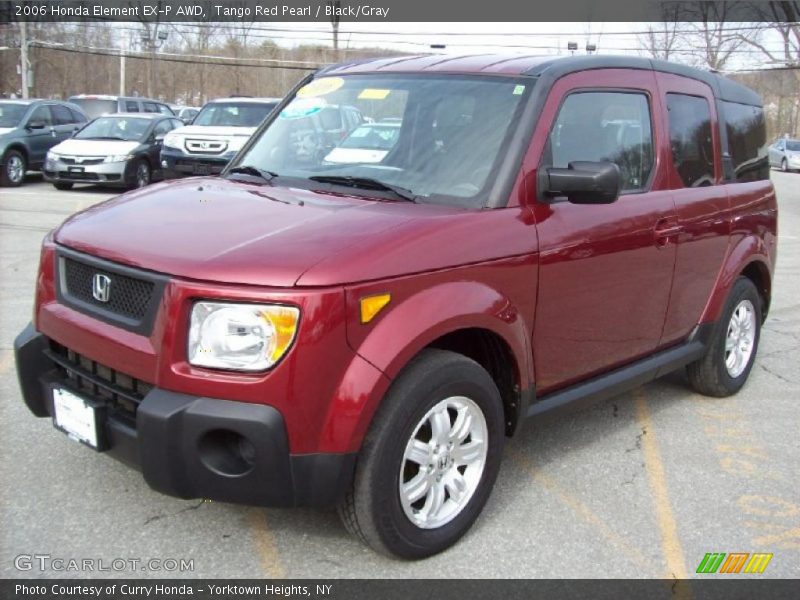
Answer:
x=63 y=186
x=14 y=168
x=373 y=511
x=711 y=375
x=142 y=175
x=784 y=166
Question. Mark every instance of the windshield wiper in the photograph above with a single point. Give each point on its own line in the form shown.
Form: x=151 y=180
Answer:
x=104 y=137
x=254 y=171
x=367 y=183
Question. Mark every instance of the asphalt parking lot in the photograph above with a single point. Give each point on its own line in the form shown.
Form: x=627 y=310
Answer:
x=639 y=486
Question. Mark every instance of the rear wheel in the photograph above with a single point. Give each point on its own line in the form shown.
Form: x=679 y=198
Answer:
x=784 y=165
x=724 y=368
x=63 y=185
x=14 y=168
x=430 y=459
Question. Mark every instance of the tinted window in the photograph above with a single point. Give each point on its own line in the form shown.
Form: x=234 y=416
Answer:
x=690 y=139
x=162 y=128
x=41 y=114
x=77 y=117
x=793 y=146
x=61 y=114
x=131 y=106
x=605 y=126
x=149 y=107
x=747 y=141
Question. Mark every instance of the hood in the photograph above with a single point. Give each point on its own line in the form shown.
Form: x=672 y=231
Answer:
x=74 y=147
x=216 y=230
x=208 y=131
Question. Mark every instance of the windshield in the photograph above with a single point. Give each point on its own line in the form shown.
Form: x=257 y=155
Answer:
x=232 y=114
x=94 y=107
x=11 y=113
x=793 y=145
x=129 y=129
x=440 y=137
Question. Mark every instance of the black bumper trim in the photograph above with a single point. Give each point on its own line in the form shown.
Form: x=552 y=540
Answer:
x=170 y=443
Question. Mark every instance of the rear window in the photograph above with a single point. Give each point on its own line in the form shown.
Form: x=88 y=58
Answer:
x=690 y=139
x=747 y=141
x=95 y=107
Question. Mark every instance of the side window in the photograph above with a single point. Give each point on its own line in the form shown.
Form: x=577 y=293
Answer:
x=131 y=106
x=605 y=126
x=747 y=141
x=165 y=110
x=61 y=114
x=690 y=139
x=162 y=128
x=150 y=107
x=77 y=117
x=176 y=123
x=41 y=113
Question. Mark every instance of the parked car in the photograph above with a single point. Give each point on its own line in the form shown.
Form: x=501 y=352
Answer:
x=366 y=335
x=98 y=105
x=216 y=134
x=368 y=143
x=187 y=114
x=28 y=129
x=119 y=149
x=785 y=153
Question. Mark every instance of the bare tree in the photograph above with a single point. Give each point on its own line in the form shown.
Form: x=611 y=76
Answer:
x=711 y=33
x=664 y=41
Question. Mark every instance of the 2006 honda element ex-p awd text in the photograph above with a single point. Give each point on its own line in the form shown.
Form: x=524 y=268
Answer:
x=366 y=333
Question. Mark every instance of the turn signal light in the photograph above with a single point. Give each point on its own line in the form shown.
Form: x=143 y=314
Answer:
x=372 y=305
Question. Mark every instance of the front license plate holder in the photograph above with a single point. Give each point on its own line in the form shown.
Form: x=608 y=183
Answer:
x=83 y=420
x=201 y=169
x=75 y=169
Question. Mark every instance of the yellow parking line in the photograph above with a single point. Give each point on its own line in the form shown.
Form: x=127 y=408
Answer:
x=271 y=562
x=670 y=542
x=586 y=513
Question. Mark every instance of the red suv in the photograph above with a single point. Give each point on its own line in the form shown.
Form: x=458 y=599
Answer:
x=299 y=332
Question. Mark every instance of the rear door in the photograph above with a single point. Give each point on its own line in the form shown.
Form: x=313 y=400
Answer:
x=701 y=199
x=64 y=123
x=605 y=270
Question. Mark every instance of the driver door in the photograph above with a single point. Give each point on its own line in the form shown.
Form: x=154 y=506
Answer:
x=40 y=140
x=605 y=270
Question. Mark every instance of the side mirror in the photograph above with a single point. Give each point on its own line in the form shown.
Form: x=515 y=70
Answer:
x=159 y=138
x=584 y=182
x=35 y=125
x=187 y=120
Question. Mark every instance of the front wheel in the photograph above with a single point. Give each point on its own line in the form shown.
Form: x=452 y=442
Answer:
x=784 y=166
x=430 y=459
x=141 y=175
x=724 y=368
x=14 y=167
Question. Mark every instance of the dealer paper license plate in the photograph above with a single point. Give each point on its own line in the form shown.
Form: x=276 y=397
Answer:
x=75 y=417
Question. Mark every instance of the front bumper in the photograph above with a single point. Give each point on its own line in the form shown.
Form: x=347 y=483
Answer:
x=177 y=163
x=116 y=173
x=190 y=446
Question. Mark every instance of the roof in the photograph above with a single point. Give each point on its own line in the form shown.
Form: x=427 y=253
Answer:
x=551 y=67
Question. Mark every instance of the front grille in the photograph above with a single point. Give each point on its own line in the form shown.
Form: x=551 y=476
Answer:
x=79 y=175
x=205 y=146
x=128 y=296
x=84 y=161
x=121 y=393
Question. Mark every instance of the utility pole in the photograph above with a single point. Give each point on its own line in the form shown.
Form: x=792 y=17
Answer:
x=23 y=55
x=122 y=51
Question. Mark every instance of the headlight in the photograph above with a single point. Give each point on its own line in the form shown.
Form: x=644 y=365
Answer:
x=243 y=337
x=52 y=155
x=172 y=140
x=118 y=158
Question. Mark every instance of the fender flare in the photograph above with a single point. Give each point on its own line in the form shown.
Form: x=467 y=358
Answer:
x=750 y=250
x=392 y=343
